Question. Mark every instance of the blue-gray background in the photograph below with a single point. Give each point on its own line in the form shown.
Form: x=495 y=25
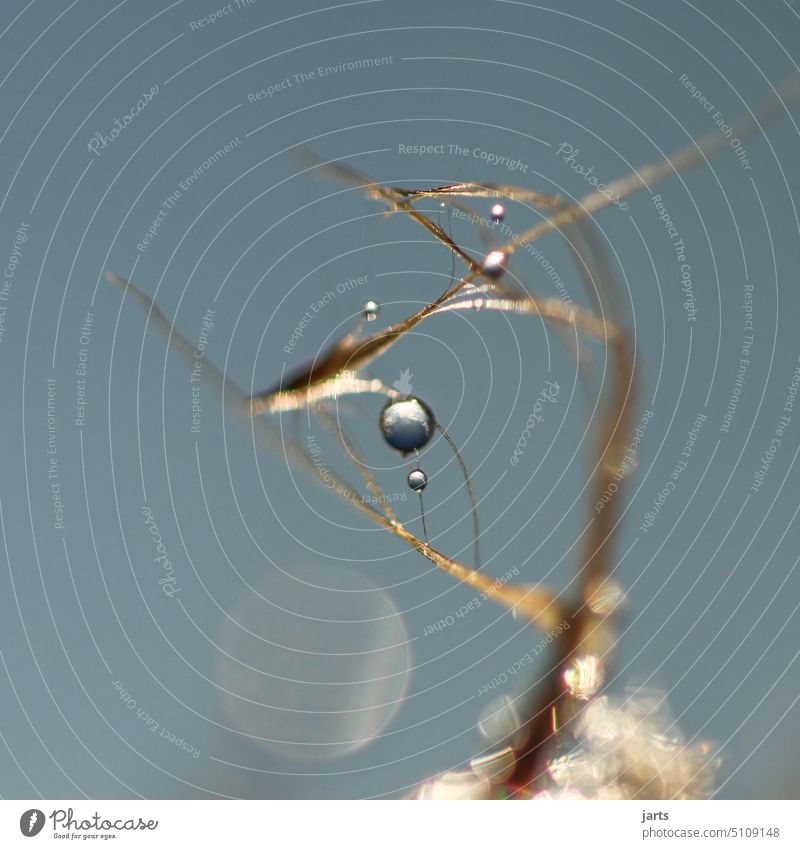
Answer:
x=713 y=585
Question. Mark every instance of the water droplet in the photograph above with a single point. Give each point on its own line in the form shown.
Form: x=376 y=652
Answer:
x=417 y=480
x=493 y=264
x=498 y=213
x=371 y=310
x=496 y=766
x=407 y=424
x=584 y=677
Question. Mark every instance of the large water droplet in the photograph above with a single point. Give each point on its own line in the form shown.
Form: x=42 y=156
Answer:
x=407 y=424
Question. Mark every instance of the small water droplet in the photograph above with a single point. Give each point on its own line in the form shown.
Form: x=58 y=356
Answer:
x=417 y=480
x=371 y=310
x=498 y=213
x=493 y=264
x=407 y=424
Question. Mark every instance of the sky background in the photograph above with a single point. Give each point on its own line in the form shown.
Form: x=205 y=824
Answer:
x=295 y=655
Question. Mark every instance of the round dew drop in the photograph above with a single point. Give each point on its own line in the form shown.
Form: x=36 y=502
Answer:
x=493 y=264
x=371 y=310
x=407 y=424
x=417 y=480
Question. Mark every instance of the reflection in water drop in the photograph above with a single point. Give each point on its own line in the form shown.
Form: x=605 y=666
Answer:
x=314 y=664
x=407 y=424
x=417 y=480
x=584 y=677
x=607 y=599
x=493 y=264
x=371 y=310
x=498 y=213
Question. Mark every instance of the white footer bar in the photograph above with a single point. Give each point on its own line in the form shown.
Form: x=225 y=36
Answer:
x=387 y=824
